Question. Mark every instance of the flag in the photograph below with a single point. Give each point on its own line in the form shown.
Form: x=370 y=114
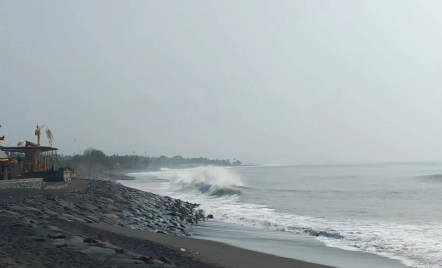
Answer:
x=50 y=136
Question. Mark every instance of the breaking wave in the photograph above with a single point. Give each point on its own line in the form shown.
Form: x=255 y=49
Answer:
x=210 y=180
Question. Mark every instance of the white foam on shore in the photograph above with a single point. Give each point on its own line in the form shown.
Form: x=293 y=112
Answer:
x=414 y=244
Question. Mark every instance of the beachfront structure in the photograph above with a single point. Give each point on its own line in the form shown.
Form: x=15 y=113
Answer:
x=32 y=157
x=32 y=161
x=26 y=160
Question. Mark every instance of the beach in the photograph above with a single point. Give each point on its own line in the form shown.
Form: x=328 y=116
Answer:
x=367 y=215
x=93 y=223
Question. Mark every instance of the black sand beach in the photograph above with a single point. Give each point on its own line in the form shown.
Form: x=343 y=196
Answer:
x=104 y=224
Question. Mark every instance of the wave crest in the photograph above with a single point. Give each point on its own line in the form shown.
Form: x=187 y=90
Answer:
x=216 y=181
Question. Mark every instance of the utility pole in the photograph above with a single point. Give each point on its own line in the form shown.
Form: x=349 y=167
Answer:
x=79 y=146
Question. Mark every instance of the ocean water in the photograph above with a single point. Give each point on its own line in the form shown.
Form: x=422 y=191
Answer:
x=389 y=210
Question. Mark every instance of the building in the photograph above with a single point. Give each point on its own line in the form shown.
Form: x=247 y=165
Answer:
x=32 y=161
x=32 y=157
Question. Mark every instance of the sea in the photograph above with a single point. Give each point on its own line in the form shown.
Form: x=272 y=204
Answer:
x=365 y=215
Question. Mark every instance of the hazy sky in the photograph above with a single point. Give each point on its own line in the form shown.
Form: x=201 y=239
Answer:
x=270 y=82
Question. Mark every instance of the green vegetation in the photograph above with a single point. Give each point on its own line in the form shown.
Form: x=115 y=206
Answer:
x=96 y=160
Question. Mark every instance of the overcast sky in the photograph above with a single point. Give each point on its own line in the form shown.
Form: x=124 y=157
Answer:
x=268 y=82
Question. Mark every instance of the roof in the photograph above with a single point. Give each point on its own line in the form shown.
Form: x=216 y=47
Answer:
x=30 y=146
x=24 y=149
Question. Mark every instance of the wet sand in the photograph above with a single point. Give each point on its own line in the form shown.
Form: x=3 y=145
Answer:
x=214 y=252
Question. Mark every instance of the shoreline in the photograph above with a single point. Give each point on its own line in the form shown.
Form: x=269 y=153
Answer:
x=105 y=224
x=213 y=252
x=303 y=247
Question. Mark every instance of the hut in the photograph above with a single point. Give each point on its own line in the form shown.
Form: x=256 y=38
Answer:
x=33 y=161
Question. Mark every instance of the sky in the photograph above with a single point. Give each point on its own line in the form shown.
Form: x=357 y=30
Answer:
x=266 y=82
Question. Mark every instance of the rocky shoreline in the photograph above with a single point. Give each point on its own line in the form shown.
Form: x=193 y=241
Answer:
x=111 y=203
x=56 y=229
